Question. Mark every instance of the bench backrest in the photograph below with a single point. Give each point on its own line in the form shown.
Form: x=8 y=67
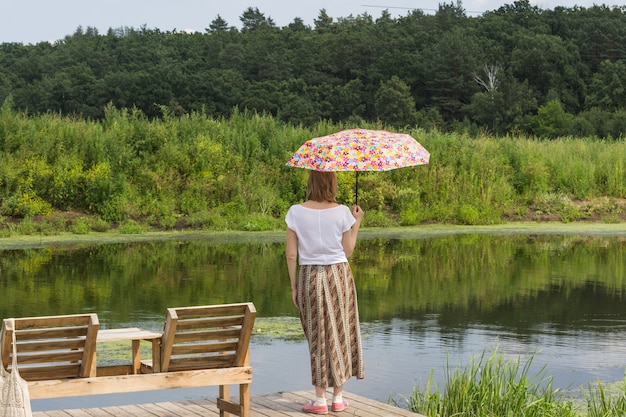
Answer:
x=52 y=347
x=205 y=337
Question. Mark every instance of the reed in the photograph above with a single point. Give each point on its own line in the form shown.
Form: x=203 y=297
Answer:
x=494 y=386
x=606 y=403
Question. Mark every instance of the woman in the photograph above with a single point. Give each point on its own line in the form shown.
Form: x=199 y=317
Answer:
x=321 y=235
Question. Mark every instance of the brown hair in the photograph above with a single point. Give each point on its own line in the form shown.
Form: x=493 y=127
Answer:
x=322 y=186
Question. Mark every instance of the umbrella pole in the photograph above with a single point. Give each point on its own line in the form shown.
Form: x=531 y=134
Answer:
x=356 y=190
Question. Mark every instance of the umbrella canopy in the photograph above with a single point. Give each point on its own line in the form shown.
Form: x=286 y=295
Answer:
x=360 y=150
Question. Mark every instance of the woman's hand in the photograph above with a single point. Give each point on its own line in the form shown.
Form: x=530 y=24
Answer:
x=358 y=213
x=294 y=297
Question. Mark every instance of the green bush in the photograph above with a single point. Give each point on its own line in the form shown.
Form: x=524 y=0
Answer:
x=411 y=216
x=26 y=205
x=259 y=222
x=81 y=227
x=131 y=227
x=27 y=226
x=113 y=209
x=377 y=218
x=48 y=228
x=100 y=225
x=468 y=214
x=214 y=220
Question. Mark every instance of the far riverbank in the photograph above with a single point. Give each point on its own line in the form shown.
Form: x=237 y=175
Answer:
x=416 y=232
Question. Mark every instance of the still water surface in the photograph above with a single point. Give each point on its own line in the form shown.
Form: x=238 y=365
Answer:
x=424 y=303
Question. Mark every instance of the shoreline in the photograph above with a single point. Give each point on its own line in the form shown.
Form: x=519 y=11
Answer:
x=218 y=237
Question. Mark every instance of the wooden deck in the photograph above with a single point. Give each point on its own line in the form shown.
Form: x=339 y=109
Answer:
x=281 y=404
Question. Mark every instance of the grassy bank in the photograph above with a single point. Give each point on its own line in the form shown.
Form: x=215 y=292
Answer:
x=133 y=174
x=38 y=240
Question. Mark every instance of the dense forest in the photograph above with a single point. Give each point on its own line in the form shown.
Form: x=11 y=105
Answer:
x=517 y=69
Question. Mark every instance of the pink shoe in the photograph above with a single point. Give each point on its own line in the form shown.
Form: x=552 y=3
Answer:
x=310 y=407
x=336 y=407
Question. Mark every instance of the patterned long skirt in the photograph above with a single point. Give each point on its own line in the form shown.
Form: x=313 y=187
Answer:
x=330 y=320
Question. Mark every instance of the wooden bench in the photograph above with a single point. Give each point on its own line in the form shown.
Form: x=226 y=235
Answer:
x=201 y=346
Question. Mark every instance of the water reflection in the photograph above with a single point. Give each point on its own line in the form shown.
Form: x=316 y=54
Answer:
x=424 y=302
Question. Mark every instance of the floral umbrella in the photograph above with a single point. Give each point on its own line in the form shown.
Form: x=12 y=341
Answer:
x=360 y=150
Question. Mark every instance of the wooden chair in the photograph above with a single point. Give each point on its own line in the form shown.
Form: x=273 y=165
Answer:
x=53 y=347
x=212 y=337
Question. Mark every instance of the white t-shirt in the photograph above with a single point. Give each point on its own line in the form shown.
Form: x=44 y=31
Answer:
x=319 y=233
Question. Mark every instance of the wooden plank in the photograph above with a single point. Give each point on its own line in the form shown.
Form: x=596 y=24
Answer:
x=51 y=344
x=97 y=412
x=171 y=322
x=131 y=333
x=57 y=413
x=275 y=405
x=210 y=334
x=242 y=356
x=216 y=309
x=124 y=411
x=77 y=412
x=176 y=409
x=114 y=370
x=369 y=407
x=211 y=322
x=203 y=348
x=135 y=410
x=201 y=407
x=52 y=332
x=207 y=404
x=139 y=382
x=204 y=362
x=88 y=364
x=47 y=357
x=61 y=320
x=62 y=413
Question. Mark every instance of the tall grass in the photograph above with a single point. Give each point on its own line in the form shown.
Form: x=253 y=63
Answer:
x=603 y=403
x=230 y=173
x=494 y=386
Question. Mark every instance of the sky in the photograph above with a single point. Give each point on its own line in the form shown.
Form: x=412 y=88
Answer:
x=33 y=21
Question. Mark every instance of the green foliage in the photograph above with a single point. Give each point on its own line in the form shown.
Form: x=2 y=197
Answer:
x=394 y=104
x=131 y=227
x=27 y=226
x=468 y=214
x=551 y=121
x=81 y=227
x=194 y=171
x=377 y=218
x=259 y=222
x=25 y=205
x=100 y=225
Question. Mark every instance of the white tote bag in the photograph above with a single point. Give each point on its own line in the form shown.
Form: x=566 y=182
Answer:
x=15 y=400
